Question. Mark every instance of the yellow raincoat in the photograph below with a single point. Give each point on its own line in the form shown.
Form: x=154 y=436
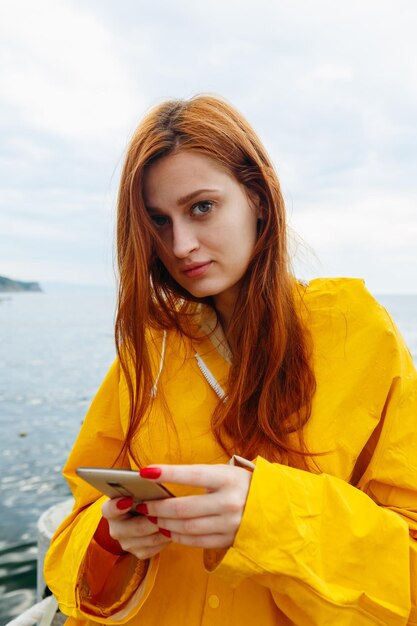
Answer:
x=335 y=548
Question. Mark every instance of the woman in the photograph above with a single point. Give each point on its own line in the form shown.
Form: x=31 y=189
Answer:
x=222 y=352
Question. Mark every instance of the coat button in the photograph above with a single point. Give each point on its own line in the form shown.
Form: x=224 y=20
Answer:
x=213 y=601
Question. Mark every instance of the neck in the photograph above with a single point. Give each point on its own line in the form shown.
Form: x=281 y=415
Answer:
x=224 y=304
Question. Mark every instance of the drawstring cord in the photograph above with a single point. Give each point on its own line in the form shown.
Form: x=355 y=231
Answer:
x=161 y=365
x=210 y=378
x=214 y=384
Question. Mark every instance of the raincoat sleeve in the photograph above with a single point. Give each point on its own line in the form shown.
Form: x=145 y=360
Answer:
x=88 y=580
x=333 y=552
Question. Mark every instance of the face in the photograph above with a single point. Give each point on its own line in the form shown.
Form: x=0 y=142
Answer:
x=206 y=221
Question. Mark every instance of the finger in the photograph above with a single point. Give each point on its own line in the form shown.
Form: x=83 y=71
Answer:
x=116 y=508
x=144 y=551
x=199 y=475
x=214 y=524
x=156 y=540
x=147 y=553
x=131 y=528
x=204 y=541
x=186 y=507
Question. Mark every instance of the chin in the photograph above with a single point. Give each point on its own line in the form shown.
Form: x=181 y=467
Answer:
x=200 y=291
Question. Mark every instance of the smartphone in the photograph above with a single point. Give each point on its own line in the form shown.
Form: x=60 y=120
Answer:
x=117 y=483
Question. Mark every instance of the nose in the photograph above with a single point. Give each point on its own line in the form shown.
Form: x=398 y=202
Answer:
x=184 y=239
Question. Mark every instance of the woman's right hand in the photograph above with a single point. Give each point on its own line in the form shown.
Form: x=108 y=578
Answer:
x=135 y=534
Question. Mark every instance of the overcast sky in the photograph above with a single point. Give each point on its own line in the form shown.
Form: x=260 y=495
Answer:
x=330 y=87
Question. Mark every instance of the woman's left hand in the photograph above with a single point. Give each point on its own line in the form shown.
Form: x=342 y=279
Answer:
x=209 y=520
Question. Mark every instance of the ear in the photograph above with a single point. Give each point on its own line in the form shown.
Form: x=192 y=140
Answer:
x=260 y=210
x=255 y=201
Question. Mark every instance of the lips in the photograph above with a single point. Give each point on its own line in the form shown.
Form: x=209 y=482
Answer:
x=194 y=270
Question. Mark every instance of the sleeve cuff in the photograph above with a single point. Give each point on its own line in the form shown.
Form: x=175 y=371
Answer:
x=109 y=587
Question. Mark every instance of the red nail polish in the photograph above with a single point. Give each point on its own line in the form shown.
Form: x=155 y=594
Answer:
x=152 y=519
x=150 y=472
x=142 y=508
x=166 y=533
x=124 y=503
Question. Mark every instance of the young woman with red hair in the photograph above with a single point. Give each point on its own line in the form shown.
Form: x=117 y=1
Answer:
x=223 y=354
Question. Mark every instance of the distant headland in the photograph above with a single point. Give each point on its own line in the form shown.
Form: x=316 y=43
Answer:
x=7 y=284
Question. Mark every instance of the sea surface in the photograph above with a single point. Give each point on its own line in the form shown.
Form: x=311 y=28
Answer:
x=55 y=349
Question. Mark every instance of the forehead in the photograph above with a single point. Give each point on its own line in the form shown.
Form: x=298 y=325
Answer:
x=179 y=174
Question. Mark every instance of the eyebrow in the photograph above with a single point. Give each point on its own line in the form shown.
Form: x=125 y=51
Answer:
x=190 y=196
x=194 y=194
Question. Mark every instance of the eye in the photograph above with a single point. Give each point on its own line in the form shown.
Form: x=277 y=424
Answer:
x=159 y=220
x=201 y=208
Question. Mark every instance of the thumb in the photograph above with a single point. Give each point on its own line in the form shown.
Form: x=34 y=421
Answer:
x=117 y=507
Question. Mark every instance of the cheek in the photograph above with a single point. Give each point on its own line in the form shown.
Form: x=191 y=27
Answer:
x=237 y=228
x=238 y=243
x=248 y=233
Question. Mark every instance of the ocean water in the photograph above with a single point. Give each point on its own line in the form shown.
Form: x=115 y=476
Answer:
x=55 y=349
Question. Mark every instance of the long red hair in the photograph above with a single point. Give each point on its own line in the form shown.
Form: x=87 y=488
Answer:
x=271 y=382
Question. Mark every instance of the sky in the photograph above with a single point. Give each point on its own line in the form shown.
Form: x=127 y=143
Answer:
x=330 y=88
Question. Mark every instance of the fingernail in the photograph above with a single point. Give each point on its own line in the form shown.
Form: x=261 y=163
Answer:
x=150 y=472
x=124 y=503
x=142 y=508
x=165 y=532
x=152 y=519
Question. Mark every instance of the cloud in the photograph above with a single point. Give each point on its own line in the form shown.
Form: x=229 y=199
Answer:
x=331 y=89
x=59 y=73
x=373 y=237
